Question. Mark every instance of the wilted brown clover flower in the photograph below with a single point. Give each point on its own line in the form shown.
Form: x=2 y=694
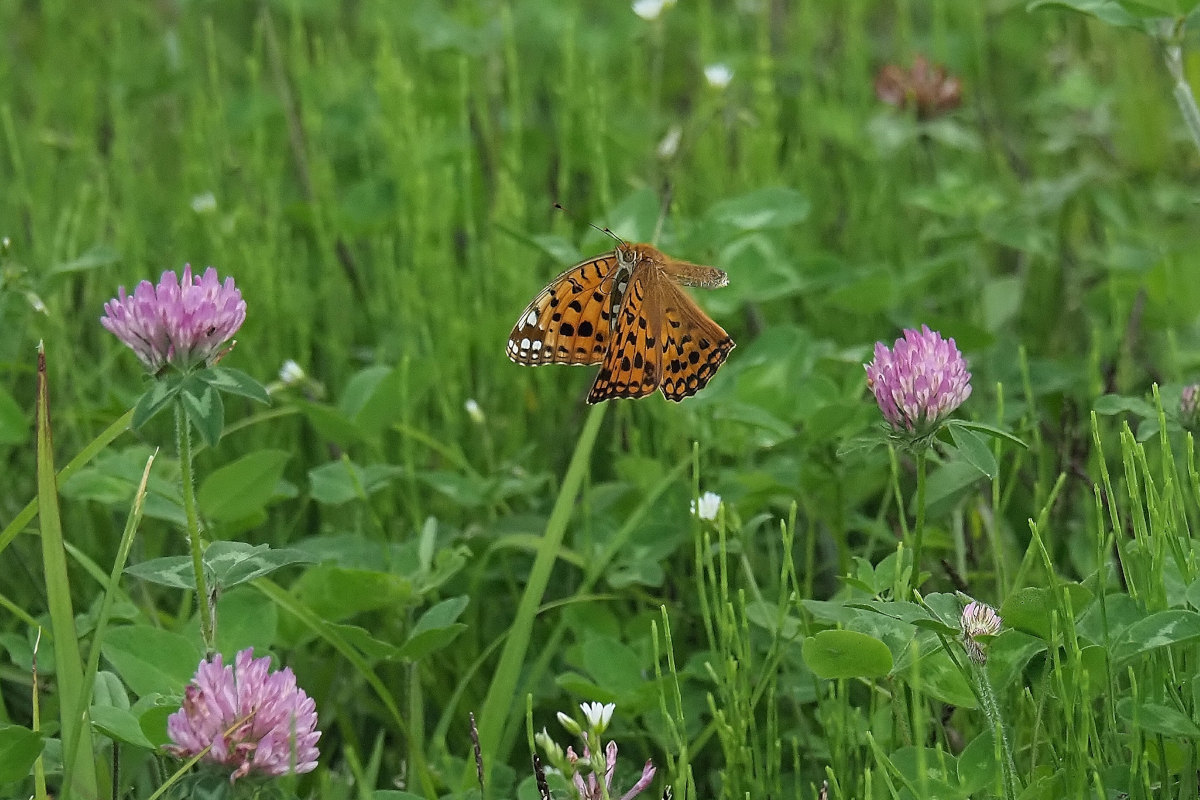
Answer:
x=925 y=86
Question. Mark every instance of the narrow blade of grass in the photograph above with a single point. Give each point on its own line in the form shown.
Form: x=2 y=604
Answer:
x=81 y=781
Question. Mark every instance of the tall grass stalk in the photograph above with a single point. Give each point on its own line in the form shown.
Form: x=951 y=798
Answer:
x=497 y=705
x=111 y=590
x=74 y=721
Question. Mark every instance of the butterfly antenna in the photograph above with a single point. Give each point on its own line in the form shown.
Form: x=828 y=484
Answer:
x=603 y=230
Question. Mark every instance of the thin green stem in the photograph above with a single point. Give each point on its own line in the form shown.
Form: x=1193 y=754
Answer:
x=991 y=709
x=183 y=438
x=1173 y=54
x=919 y=525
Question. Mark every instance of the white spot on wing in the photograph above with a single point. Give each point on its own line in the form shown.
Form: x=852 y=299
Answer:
x=531 y=318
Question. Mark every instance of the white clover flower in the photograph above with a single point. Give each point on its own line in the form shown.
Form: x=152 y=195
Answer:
x=651 y=9
x=718 y=75
x=669 y=145
x=598 y=715
x=707 y=506
x=291 y=373
x=204 y=203
x=473 y=411
x=978 y=619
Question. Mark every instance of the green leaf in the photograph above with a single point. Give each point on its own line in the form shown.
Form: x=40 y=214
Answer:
x=151 y=659
x=330 y=423
x=988 y=430
x=14 y=423
x=773 y=207
x=977 y=764
x=1157 y=718
x=231 y=563
x=336 y=593
x=19 y=748
x=1164 y=629
x=204 y=408
x=974 y=450
x=156 y=398
x=173 y=571
x=420 y=645
x=938 y=781
x=248 y=619
x=244 y=487
x=98 y=255
x=442 y=614
x=109 y=691
x=234 y=381
x=766 y=615
x=611 y=663
x=936 y=675
x=120 y=724
x=226 y=563
x=153 y=721
x=370 y=399
x=846 y=654
x=1030 y=609
x=361 y=640
x=1111 y=404
x=342 y=481
x=946 y=484
x=1118 y=13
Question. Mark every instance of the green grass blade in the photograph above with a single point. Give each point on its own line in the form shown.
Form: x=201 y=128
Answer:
x=81 y=459
x=110 y=596
x=76 y=727
x=497 y=706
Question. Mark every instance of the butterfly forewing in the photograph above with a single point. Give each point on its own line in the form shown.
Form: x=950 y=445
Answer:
x=633 y=365
x=570 y=322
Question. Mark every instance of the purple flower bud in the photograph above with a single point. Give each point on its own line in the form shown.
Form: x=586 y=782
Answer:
x=250 y=719
x=181 y=323
x=919 y=381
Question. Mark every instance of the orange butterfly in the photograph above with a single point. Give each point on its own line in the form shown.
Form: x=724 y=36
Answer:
x=625 y=310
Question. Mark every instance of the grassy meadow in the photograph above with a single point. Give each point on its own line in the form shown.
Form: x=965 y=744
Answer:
x=422 y=530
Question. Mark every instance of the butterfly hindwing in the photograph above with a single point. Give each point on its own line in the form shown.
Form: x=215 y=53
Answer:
x=633 y=365
x=694 y=346
x=570 y=322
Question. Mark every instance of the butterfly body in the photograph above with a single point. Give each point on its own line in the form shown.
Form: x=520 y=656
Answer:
x=625 y=311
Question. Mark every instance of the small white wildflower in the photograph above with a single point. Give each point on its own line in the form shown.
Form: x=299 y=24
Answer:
x=571 y=725
x=718 y=75
x=669 y=145
x=707 y=506
x=554 y=752
x=204 y=203
x=598 y=715
x=651 y=9
x=291 y=373
x=473 y=411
